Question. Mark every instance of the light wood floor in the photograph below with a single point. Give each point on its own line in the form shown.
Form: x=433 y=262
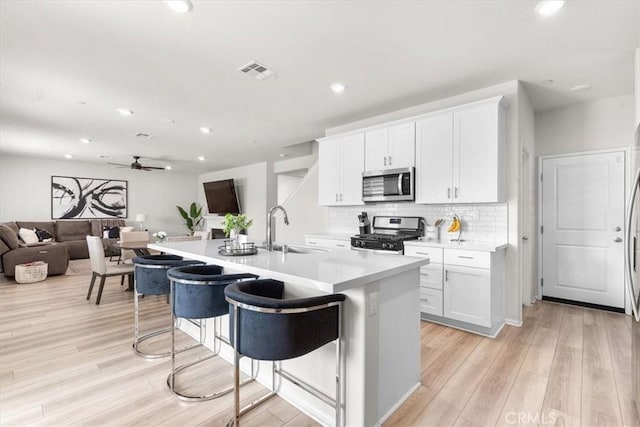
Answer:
x=64 y=360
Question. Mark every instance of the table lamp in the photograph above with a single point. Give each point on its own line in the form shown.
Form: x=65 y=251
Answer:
x=140 y=219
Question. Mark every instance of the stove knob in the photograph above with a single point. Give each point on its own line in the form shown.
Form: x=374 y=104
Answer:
x=363 y=244
x=385 y=245
x=358 y=243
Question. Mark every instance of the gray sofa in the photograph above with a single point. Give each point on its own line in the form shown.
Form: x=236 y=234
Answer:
x=69 y=243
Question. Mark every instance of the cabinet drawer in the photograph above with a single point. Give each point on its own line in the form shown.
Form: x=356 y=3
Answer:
x=431 y=276
x=327 y=243
x=467 y=258
x=434 y=254
x=431 y=301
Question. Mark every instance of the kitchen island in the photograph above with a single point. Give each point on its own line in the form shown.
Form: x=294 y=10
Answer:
x=381 y=324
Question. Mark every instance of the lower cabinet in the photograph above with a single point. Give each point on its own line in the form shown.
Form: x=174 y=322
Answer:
x=462 y=288
x=467 y=294
x=328 y=242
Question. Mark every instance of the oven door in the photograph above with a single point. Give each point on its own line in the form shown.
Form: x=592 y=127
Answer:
x=378 y=251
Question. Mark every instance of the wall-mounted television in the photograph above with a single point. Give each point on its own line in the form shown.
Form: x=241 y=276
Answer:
x=221 y=197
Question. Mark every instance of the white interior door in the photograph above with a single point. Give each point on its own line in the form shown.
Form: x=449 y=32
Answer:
x=583 y=221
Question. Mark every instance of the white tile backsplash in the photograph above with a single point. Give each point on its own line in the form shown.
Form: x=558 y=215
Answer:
x=481 y=223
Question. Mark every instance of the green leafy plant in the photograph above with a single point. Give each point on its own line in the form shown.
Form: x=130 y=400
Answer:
x=238 y=224
x=193 y=218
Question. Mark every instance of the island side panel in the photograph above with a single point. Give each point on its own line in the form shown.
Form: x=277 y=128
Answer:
x=398 y=342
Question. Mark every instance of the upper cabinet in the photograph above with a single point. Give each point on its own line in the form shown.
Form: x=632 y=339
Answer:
x=459 y=154
x=390 y=147
x=340 y=167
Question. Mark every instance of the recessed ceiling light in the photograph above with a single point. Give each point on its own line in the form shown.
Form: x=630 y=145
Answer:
x=168 y=167
x=125 y=111
x=549 y=7
x=85 y=140
x=201 y=158
x=179 y=6
x=580 y=88
x=82 y=103
x=283 y=154
x=205 y=130
x=337 y=87
x=105 y=156
x=170 y=121
x=68 y=156
x=547 y=82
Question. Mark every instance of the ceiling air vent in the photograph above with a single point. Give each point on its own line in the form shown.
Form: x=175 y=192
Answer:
x=143 y=135
x=257 y=70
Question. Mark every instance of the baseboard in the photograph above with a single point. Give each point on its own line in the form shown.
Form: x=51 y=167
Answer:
x=511 y=322
x=398 y=404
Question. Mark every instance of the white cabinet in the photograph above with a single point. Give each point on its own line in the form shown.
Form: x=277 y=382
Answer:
x=461 y=288
x=459 y=154
x=473 y=288
x=390 y=147
x=431 y=278
x=467 y=294
x=328 y=242
x=340 y=167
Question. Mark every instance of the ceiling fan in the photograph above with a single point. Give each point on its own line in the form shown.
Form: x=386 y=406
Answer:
x=136 y=165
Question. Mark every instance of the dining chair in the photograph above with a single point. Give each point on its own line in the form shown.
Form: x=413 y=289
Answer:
x=100 y=268
x=131 y=236
x=204 y=235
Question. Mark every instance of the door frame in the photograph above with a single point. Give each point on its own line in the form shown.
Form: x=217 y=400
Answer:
x=627 y=151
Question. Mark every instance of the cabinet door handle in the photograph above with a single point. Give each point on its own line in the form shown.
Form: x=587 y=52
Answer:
x=336 y=197
x=339 y=246
x=446 y=275
x=465 y=257
x=385 y=160
x=389 y=160
x=312 y=243
x=456 y=193
x=422 y=253
x=448 y=192
x=340 y=196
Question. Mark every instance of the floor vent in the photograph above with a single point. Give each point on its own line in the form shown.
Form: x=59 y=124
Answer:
x=257 y=70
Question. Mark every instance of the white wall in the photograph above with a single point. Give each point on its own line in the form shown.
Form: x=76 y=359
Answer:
x=25 y=190
x=527 y=210
x=305 y=216
x=256 y=189
x=605 y=123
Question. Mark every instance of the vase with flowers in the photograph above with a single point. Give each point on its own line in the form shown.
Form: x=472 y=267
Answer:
x=236 y=227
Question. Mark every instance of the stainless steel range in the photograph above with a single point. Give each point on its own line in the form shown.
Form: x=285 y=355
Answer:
x=389 y=233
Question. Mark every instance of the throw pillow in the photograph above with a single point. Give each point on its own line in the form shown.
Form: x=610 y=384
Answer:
x=9 y=237
x=111 y=232
x=43 y=235
x=28 y=236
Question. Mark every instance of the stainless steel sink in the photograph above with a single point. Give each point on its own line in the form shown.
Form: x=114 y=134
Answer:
x=296 y=249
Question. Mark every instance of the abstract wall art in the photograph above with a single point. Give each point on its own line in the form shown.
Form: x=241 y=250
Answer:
x=73 y=197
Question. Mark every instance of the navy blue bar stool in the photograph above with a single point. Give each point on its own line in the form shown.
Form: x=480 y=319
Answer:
x=197 y=293
x=275 y=329
x=150 y=278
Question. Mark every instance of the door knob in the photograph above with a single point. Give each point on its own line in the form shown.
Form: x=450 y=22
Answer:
x=618 y=239
x=525 y=238
x=618 y=229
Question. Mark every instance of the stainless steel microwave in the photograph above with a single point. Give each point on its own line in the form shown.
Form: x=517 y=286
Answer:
x=391 y=185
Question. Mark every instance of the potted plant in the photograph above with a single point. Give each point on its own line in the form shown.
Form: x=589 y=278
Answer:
x=193 y=218
x=236 y=227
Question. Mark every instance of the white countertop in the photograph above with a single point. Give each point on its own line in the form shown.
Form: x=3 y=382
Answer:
x=471 y=246
x=331 y=271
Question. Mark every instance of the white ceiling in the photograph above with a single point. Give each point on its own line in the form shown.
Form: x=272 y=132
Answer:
x=391 y=55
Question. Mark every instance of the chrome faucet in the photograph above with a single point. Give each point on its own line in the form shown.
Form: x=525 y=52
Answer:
x=270 y=224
